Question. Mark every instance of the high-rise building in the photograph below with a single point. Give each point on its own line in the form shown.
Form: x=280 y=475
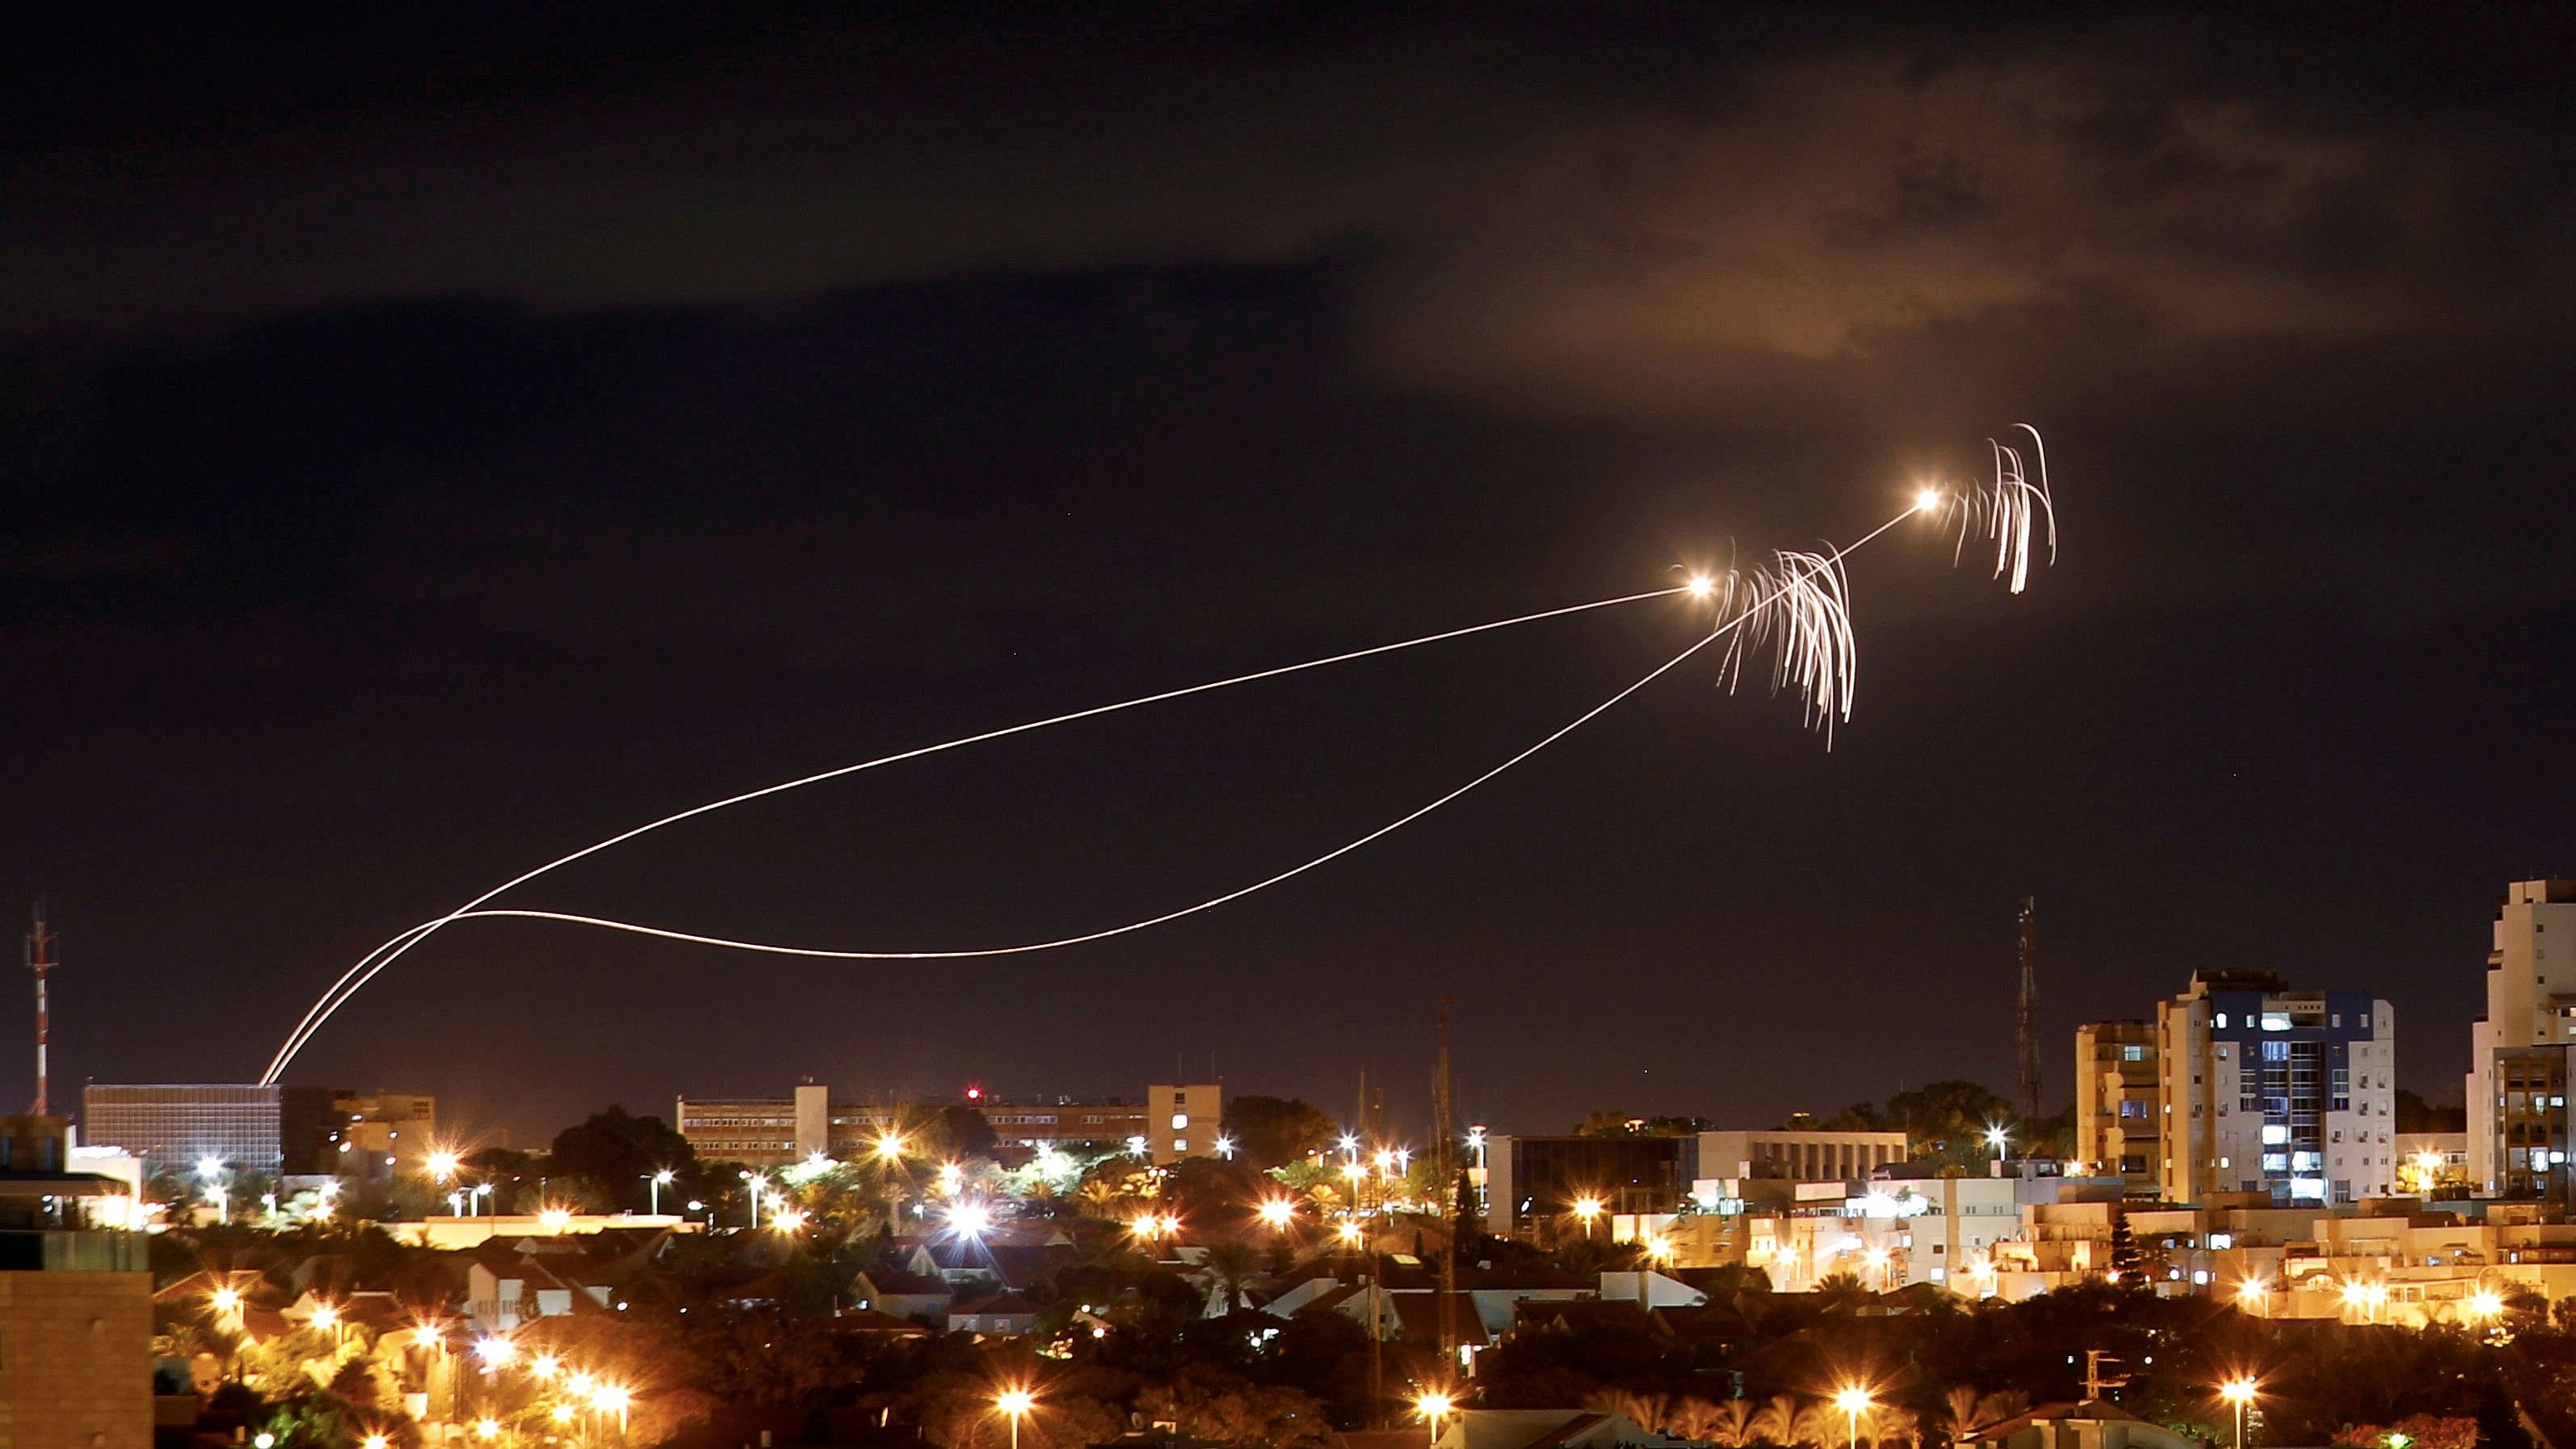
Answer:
x=2518 y=1067
x=2119 y=1103
x=2264 y=1089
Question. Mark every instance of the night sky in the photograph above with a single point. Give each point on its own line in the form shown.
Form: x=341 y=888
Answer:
x=430 y=449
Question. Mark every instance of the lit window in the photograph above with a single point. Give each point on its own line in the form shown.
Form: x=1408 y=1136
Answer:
x=1180 y=1144
x=1180 y=1120
x=2276 y=1021
x=2274 y=1134
x=2222 y=1018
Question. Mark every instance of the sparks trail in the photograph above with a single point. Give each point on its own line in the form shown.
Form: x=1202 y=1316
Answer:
x=1801 y=611
x=2007 y=512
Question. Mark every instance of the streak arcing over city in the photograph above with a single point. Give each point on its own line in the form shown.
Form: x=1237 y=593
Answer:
x=1798 y=608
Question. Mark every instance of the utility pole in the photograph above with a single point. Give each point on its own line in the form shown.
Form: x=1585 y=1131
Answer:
x=1448 y=1195
x=40 y=960
x=2029 y=1010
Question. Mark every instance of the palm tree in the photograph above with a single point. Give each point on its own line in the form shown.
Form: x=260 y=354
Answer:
x=1776 y=1422
x=1971 y=1412
x=1727 y=1425
x=1234 y=1266
x=1099 y=1197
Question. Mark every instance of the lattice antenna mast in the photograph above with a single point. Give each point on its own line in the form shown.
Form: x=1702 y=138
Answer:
x=40 y=960
x=2029 y=1009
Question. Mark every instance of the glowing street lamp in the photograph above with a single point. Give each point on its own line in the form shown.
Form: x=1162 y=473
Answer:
x=226 y=1302
x=610 y=1399
x=544 y=1369
x=2240 y=1392
x=1996 y=1138
x=442 y=1165
x=1434 y=1407
x=969 y=1219
x=327 y=1318
x=1143 y=1227
x=787 y=1220
x=2253 y=1295
x=1278 y=1212
x=554 y=1220
x=374 y=1441
x=2485 y=1306
x=496 y=1353
x=1350 y=1233
x=487 y=1430
x=1014 y=1405
x=1587 y=1208
x=660 y=1180
x=1854 y=1401
x=759 y=1186
x=890 y=1148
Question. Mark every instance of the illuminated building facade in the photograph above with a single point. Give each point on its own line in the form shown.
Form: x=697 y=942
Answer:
x=2518 y=1051
x=2287 y=1093
x=778 y=1131
x=274 y=1131
x=2119 y=1103
x=1183 y=1121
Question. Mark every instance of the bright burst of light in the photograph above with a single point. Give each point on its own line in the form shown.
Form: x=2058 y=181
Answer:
x=545 y=1367
x=2239 y=1390
x=495 y=1352
x=1996 y=1136
x=487 y=1429
x=2486 y=1303
x=1350 y=1232
x=563 y=1413
x=1587 y=1208
x=225 y=1300
x=326 y=1317
x=210 y=1167
x=1927 y=500
x=2252 y=1291
x=1659 y=1248
x=969 y=1219
x=890 y=1148
x=442 y=1165
x=610 y=1398
x=1278 y=1212
x=579 y=1385
x=1434 y=1406
x=1015 y=1402
x=555 y=1220
x=1701 y=586
x=1875 y=1258
x=374 y=1441
x=1144 y=1225
x=787 y=1219
x=1170 y=1225
x=1852 y=1399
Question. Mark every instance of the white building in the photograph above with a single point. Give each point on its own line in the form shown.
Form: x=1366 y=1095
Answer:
x=2289 y=1093
x=2517 y=1093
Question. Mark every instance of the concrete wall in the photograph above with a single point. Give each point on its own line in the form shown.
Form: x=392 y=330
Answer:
x=75 y=1360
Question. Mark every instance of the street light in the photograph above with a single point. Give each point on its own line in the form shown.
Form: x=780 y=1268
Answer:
x=1278 y=1212
x=1014 y=1405
x=441 y=1165
x=1854 y=1401
x=660 y=1180
x=2240 y=1392
x=1587 y=1208
x=1996 y=1137
x=608 y=1398
x=890 y=1148
x=1434 y=1406
x=2253 y=1295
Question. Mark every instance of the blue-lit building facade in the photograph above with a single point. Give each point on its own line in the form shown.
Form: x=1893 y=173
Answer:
x=2286 y=1094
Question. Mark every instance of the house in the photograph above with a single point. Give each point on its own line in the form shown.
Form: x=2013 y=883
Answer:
x=2093 y=1424
x=1540 y=1429
x=903 y=1294
x=503 y=1293
x=997 y=1315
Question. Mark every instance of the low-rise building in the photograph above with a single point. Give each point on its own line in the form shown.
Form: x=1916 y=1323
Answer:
x=75 y=1340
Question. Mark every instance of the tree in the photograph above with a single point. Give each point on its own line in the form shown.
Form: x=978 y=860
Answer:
x=1272 y=1132
x=619 y=1150
x=1233 y=1265
x=962 y=1132
x=2124 y=1251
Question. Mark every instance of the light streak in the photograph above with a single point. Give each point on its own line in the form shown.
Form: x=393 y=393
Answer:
x=1800 y=633
x=2009 y=511
x=1802 y=613
x=375 y=961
